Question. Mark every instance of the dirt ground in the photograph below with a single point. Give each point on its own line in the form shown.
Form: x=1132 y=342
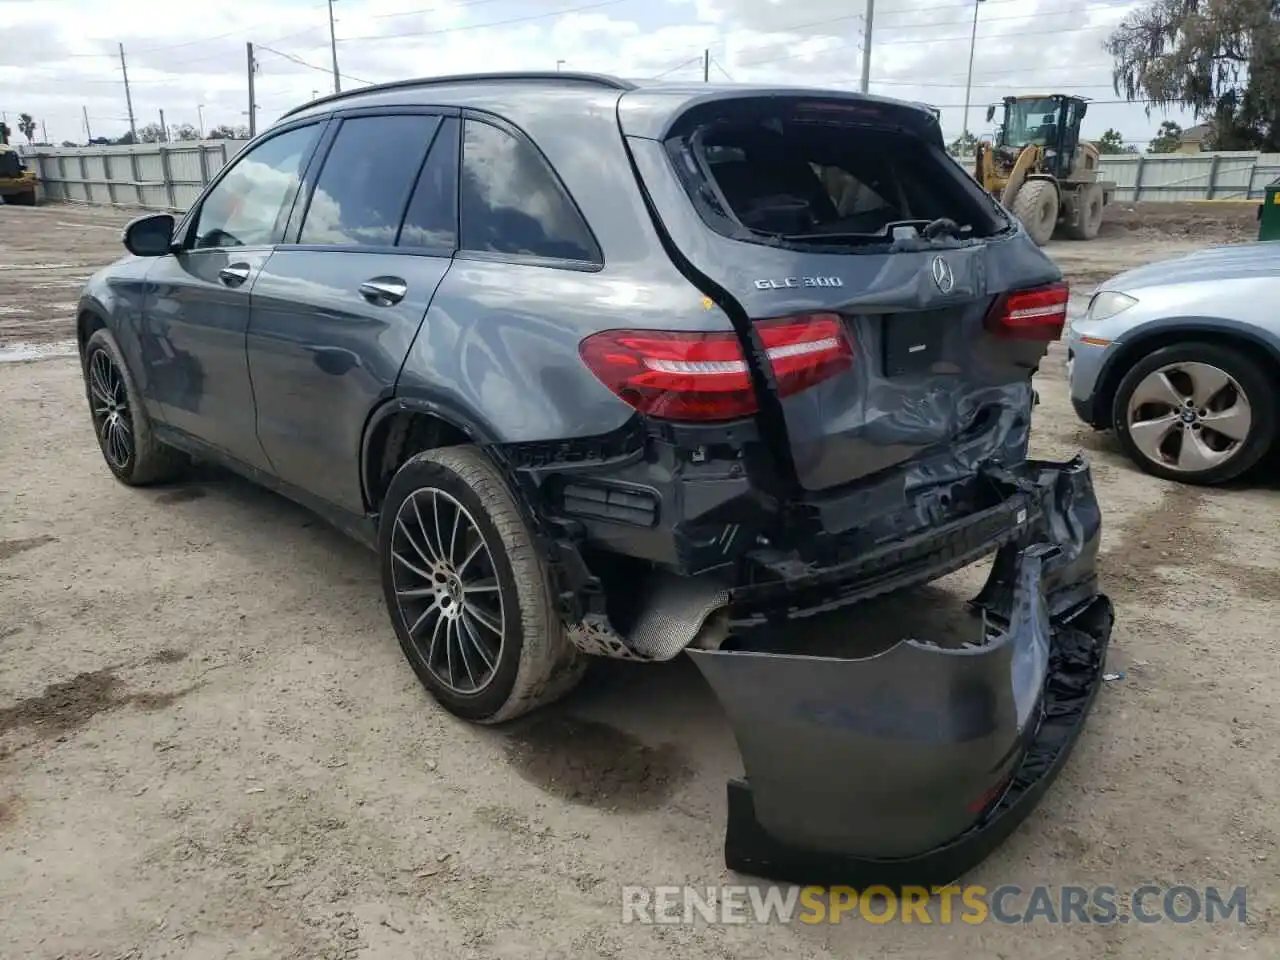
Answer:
x=210 y=745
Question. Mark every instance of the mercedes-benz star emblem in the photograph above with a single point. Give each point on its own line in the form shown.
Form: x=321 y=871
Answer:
x=942 y=275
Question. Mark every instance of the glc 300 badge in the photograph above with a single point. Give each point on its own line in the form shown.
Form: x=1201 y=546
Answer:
x=787 y=283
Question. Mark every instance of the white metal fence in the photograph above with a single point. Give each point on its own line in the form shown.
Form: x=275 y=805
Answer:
x=161 y=176
x=169 y=176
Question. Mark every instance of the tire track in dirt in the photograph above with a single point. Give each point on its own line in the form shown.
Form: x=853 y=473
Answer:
x=1175 y=532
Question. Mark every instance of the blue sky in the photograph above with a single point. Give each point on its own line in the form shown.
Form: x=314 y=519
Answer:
x=59 y=56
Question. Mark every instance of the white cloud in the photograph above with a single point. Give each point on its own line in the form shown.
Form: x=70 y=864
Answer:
x=59 y=56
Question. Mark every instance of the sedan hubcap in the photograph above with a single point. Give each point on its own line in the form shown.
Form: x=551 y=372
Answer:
x=1189 y=416
x=446 y=589
x=110 y=405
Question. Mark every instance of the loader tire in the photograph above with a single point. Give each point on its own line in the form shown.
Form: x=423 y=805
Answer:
x=1088 y=220
x=1036 y=207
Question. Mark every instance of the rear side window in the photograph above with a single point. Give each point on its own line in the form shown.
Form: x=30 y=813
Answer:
x=511 y=203
x=431 y=221
x=805 y=181
x=361 y=194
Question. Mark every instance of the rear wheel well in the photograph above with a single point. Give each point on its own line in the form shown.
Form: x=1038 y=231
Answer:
x=1132 y=353
x=87 y=324
x=398 y=437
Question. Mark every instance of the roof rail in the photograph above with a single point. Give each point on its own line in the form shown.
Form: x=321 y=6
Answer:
x=600 y=79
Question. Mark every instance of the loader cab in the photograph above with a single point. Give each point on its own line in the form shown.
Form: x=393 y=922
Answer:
x=1051 y=122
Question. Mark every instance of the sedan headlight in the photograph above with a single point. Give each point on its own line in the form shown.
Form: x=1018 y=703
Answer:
x=1107 y=304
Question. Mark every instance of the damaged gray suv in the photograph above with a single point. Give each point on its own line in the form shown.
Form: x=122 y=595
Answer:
x=630 y=371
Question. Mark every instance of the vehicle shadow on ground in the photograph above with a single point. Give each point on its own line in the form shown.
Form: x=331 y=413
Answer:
x=631 y=736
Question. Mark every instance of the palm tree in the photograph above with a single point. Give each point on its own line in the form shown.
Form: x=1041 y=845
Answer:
x=27 y=124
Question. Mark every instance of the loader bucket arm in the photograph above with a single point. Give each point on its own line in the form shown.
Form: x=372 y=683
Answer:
x=1026 y=162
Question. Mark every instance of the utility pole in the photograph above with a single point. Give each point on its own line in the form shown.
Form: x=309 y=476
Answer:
x=164 y=131
x=866 y=44
x=706 y=66
x=968 y=87
x=44 y=132
x=128 y=97
x=333 y=49
x=88 y=134
x=200 y=120
x=253 y=108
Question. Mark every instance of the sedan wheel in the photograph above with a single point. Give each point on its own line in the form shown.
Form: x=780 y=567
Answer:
x=109 y=404
x=1196 y=413
x=120 y=420
x=446 y=589
x=471 y=597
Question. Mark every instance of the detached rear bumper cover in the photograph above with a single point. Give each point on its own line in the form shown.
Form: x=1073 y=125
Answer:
x=911 y=766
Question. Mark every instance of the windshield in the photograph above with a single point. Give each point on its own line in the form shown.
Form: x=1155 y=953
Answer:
x=1031 y=121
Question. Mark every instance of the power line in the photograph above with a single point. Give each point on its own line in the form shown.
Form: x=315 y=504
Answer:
x=914 y=40
x=304 y=63
x=483 y=26
x=240 y=31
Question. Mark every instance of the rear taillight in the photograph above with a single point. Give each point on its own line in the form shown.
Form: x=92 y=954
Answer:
x=704 y=376
x=1037 y=314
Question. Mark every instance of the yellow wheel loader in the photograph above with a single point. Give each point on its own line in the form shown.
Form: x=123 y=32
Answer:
x=1040 y=169
x=17 y=180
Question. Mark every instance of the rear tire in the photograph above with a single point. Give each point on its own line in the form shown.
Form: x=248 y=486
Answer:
x=1036 y=207
x=446 y=591
x=1089 y=219
x=1148 y=423
x=120 y=421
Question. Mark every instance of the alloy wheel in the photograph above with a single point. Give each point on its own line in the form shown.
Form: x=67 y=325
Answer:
x=447 y=591
x=109 y=402
x=1189 y=417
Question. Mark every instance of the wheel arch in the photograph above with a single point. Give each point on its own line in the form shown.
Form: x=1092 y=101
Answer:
x=1213 y=330
x=403 y=426
x=90 y=318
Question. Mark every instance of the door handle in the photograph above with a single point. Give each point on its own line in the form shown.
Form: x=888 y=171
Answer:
x=384 y=291
x=234 y=275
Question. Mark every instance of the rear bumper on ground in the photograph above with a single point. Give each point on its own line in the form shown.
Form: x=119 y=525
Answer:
x=908 y=767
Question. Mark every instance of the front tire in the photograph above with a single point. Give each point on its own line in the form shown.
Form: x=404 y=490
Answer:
x=468 y=593
x=1195 y=412
x=1036 y=207
x=120 y=421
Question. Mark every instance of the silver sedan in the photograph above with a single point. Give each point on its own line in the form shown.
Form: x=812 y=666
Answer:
x=1182 y=359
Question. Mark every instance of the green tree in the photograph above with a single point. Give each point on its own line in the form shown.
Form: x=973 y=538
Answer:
x=126 y=139
x=963 y=146
x=1220 y=58
x=151 y=133
x=1112 y=141
x=185 y=131
x=1167 y=139
x=225 y=131
x=27 y=124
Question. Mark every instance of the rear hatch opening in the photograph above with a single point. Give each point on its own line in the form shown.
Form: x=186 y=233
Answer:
x=884 y=304
x=824 y=175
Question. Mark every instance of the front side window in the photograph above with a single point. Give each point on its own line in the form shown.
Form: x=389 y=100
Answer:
x=366 y=180
x=248 y=207
x=511 y=203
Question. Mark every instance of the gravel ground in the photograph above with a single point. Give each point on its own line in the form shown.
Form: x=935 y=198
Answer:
x=210 y=745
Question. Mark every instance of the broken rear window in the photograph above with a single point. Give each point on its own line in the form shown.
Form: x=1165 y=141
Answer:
x=820 y=178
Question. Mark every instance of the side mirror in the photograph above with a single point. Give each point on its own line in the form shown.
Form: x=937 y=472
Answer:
x=991 y=112
x=149 y=236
